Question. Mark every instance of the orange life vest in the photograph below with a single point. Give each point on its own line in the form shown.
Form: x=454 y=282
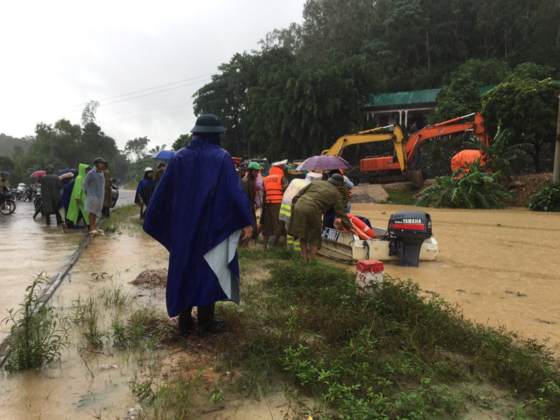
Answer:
x=273 y=186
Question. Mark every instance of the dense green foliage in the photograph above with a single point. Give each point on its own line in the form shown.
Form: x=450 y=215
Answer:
x=529 y=108
x=303 y=88
x=475 y=189
x=547 y=199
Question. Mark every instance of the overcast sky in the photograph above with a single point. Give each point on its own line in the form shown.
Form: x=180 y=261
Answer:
x=57 y=55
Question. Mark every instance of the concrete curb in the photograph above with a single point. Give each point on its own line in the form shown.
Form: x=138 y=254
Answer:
x=52 y=286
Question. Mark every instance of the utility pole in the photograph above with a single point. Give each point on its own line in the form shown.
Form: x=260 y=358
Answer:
x=556 y=174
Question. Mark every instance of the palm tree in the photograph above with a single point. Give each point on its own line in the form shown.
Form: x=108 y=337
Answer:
x=156 y=149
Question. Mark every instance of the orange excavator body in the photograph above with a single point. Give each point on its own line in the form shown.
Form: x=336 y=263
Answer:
x=453 y=126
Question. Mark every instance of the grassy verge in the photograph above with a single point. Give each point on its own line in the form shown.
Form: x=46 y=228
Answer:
x=386 y=354
x=132 y=185
x=125 y=218
x=403 y=196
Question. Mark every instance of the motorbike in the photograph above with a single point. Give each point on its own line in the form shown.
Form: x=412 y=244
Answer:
x=29 y=194
x=38 y=203
x=114 y=193
x=20 y=191
x=7 y=204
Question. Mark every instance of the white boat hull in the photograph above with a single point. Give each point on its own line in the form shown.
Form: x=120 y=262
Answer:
x=348 y=247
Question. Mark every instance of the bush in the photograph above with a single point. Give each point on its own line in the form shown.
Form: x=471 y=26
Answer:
x=474 y=189
x=547 y=199
x=37 y=334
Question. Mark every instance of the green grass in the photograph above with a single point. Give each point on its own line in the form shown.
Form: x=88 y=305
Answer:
x=122 y=219
x=386 y=354
x=403 y=196
x=132 y=185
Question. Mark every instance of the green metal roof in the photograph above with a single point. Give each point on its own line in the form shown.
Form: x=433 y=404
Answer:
x=403 y=98
x=414 y=97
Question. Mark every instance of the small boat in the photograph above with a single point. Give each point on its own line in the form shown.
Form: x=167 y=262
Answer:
x=407 y=240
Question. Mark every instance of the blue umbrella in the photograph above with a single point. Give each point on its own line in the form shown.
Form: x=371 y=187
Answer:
x=164 y=155
x=65 y=171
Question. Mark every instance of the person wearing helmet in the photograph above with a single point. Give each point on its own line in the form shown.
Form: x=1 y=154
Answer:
x=94 y=187
x=249 y=185
x=5 y=183
x=198 y=212
x=145 y=190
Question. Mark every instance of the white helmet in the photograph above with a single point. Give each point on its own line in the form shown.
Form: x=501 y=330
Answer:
x=148 y=169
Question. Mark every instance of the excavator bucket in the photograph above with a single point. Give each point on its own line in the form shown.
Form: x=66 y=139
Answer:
x=415 y=177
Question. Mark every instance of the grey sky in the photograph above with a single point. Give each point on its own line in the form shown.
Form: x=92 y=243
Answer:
x=59 y=54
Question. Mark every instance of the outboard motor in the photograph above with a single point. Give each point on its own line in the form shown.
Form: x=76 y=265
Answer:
x=409 y=229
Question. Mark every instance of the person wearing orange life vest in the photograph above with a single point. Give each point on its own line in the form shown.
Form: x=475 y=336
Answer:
x=274 y=186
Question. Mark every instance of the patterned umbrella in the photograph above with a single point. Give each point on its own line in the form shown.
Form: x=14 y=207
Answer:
x=323 y=162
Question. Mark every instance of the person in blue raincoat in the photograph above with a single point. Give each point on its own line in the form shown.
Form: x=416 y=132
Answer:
x=197 y=212
x=145 y=190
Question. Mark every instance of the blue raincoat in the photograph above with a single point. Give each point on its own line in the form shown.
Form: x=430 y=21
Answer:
x=197 y=212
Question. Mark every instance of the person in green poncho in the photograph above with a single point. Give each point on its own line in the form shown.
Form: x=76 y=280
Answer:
x=76 y=209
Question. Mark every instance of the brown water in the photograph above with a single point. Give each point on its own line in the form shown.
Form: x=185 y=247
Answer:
x=70 y=390
x=29 y=247
x=486 y=258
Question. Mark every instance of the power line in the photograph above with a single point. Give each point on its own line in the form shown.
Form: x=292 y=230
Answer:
x=145 y=90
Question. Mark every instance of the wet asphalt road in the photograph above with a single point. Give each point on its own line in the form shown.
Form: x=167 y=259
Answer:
x=28 y=247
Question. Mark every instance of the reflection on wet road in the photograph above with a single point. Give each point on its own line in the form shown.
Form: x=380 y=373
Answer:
x=29 y=247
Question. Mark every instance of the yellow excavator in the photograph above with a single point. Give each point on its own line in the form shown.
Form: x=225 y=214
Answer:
x=390 y=132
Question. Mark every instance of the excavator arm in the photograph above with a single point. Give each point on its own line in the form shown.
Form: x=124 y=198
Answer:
x=371 y=136
x=446 y=128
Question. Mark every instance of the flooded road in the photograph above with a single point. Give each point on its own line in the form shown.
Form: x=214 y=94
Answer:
x=29 y=247
x=78 y=387
x=501 y=266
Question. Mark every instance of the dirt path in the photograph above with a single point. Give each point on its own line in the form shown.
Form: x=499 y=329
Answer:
x=501 y=266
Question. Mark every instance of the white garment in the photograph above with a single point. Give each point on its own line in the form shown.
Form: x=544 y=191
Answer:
x=219 y=258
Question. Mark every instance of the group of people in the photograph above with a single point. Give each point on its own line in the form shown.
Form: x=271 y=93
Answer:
x=83 y=196
x=281 y=216
x=201 y=211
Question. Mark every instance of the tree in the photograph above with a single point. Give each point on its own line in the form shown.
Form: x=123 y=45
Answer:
x=528 y=107
x=88 y=114
x=157 y=148
x=6 y=164
x=182 y=141
x=461 y=96
x=136 y=147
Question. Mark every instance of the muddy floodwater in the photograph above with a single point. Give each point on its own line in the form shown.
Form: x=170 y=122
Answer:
x=501 y=266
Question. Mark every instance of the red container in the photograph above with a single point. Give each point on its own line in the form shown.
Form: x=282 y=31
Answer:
x=370 y=266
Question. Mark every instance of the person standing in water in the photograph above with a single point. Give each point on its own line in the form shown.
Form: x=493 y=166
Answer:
x=76 y=207
x=94 y=187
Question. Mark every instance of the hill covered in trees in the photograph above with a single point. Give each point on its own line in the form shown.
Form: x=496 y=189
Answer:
x=305 y=85
x=12 y=146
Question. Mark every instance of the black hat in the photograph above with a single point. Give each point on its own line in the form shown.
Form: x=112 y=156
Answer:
x=99 y=160
x=208 y=124
x=336 y=179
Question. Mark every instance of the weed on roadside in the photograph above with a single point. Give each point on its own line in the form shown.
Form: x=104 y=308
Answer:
x=114 y=296
x=38 y=332
x=170 y=400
